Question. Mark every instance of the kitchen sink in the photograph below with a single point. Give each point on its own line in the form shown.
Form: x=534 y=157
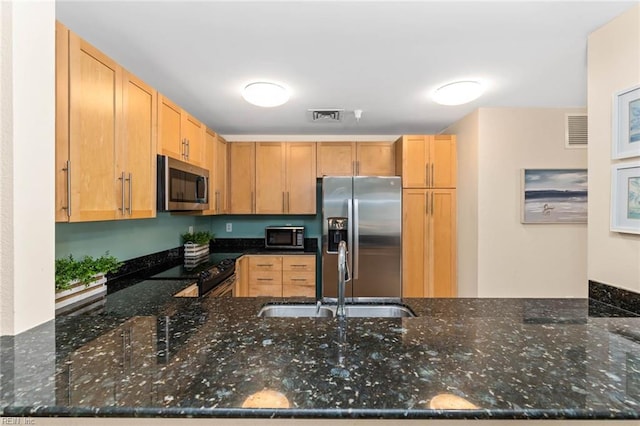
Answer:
x=299 y=311
x=360 y=310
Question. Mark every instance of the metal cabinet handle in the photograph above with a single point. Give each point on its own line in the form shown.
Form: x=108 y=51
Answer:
x=432 y=203
x=184 y=148
x=217 y=209
x=283 y=210
x=188 y=148
x=265 y=264
x=426 y=174
x=67 y=169
x=427 y=205
x=298 y=266
x=265 y=279
x=122 y=179
x=130 y=193
x=298 y=279
x=433 y=180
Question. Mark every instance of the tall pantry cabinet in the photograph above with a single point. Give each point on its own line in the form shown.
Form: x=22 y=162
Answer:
x=427 y=165
x=105 y=136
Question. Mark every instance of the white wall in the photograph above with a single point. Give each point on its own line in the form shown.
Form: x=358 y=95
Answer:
x=27 y=83
x=513 y=259
x=467 y=131
x=613 y=65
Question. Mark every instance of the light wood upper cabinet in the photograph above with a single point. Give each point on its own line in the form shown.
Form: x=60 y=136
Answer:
x=336 y=158
x=220 y=176
x=139 y=145
x=95 y=102
x=105 y=136
x=285 y=177
x=428 y=243
x=180 y=135
x=426 y=161
x=356 y=159
x=270 y=178
x=301 y=177
x=242 y=166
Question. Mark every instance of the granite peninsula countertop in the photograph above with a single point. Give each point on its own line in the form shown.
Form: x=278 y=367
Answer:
x=151 y=355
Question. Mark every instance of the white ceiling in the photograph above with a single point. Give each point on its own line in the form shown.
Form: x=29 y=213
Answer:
x=384 y=57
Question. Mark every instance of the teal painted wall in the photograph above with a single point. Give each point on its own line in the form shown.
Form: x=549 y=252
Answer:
x=125 y=239
x=252 y=226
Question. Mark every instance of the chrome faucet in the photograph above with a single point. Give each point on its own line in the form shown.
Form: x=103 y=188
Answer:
x=343 y=277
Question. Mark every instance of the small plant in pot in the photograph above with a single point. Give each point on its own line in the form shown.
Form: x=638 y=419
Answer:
x=81 y=279
x=196 y=244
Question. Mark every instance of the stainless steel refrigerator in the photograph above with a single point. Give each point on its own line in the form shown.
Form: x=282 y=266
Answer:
x=366 y=212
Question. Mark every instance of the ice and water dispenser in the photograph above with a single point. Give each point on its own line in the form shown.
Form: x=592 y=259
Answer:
x=338 y=229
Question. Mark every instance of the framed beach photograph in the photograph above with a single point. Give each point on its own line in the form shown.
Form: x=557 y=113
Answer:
x=625 y=198
x=626 y=123
x=554 y=196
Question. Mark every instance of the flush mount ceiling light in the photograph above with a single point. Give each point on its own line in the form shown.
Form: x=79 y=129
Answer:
x=265 y=94
x=458 y=93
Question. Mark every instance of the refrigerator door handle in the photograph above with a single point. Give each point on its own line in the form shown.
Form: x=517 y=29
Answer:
x=356 y=239
x=349 y=235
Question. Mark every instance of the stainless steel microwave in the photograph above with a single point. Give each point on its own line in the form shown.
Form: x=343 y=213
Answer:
x=181 y=186
x=284 y=237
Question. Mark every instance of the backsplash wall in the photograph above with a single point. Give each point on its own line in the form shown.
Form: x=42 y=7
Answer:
x=125 y=239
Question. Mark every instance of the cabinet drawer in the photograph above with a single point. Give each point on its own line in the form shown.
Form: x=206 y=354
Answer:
x=268 y=290
x=299 y=263
x=298 y=291
x=299 y=278
x=265 y=283
x=265 y=263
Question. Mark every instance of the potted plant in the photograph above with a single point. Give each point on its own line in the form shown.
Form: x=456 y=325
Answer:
x=82 y=279
x=196 y=244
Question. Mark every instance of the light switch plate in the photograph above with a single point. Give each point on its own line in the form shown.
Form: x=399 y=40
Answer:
x=229 y=227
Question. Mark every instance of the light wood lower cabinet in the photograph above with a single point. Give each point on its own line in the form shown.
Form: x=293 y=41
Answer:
x=429 y=243
x=276 y=276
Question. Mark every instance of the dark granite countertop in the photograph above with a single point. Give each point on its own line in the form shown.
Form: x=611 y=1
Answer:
x=151 y=355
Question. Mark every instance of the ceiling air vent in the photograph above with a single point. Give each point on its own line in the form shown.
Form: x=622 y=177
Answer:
x=576 y=131
x=333 y=115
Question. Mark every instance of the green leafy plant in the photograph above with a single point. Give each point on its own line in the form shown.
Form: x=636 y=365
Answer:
x=201 y=237
x=69 y=269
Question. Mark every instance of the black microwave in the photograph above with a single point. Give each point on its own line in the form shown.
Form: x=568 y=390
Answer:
x=284 y=237
x=181 y=186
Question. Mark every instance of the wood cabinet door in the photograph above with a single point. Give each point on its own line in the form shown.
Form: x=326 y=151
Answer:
x=220 y=173
x=62 y=123
x=94 y=121
x=242 y=277
x=443 y=162
x=415 y=152
x=170 y=140
x=270 y=178
x=210 y=161
x=193 y=134
x=375 y=159
x=241 y=177
x=415 y=255
x=301 y=178
x=139 y=105
x=336 y=159
x=443 y=280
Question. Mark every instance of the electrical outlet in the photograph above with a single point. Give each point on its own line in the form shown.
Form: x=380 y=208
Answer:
x=229 y=227
x=191 y=229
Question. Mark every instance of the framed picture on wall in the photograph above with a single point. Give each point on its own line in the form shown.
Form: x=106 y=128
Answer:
x=625 y=198
x=554 y=196
x=626 y=123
